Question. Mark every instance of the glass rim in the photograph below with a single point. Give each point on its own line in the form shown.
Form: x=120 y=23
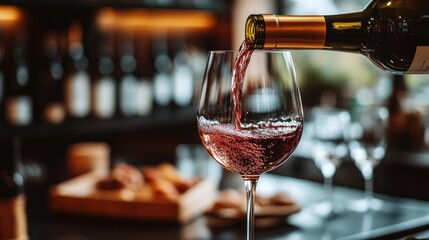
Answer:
x=281 y=51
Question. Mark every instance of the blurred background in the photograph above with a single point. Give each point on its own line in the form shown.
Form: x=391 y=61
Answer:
x=127 y=74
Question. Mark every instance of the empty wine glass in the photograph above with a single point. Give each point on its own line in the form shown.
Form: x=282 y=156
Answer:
x=258 y=130
x=367 y=147
x=329 y=147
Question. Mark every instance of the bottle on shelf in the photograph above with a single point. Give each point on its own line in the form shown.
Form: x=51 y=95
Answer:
x=104 y=87
x=393 y=34
x=19 y=95
x=198 y=56
x=183 y=76
x=13 y=219
x=129 y=81
x=162 y=89
x=145 y=86
x=406 y=125
x=52 y=73
x=77 y=86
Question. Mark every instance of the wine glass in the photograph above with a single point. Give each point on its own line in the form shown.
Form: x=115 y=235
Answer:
x=367 y=147
x=259 y=131
x=328 y=150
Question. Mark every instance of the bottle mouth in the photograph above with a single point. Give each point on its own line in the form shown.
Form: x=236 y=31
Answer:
x=255 y=31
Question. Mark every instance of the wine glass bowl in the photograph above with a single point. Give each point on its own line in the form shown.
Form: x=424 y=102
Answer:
x=252 y=125
x=329 y=147
x=271 y=120
x=367 y=148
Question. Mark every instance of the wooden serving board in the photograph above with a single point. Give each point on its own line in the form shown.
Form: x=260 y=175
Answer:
x=80 y=196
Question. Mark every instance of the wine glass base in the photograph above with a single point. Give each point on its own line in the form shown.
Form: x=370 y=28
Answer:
x=365 y=205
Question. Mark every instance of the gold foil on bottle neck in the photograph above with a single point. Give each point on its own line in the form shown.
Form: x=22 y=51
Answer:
x=294 y=32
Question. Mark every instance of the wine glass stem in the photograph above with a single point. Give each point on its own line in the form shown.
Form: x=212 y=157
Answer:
x=329 y=188
x=250 y=185
x=369 y=185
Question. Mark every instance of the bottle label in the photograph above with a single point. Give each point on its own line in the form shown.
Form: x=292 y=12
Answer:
x=144 y=97
x=420 y=62
x=104 y=97
x=128 y=91
x=163 y=91
x=19 y=110
x=78 y=96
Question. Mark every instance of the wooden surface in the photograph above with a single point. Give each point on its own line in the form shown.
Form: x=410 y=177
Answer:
x=80 y=196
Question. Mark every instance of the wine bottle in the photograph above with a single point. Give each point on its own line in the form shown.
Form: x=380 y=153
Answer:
x=183 y=76
x=145 y=85
x=104 y=87
x=77 y=89
x=393 y=34
x=52 y=72
x=19 y=94
x=406 y=126
x=129 y=82
x=13 y=220
x=162 y=82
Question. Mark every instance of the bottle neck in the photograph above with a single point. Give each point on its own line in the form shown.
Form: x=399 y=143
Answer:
x=339 y=32
x=270 y=31
x=345 y=32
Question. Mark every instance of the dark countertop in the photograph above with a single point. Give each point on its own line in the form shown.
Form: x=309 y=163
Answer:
x=398 y=217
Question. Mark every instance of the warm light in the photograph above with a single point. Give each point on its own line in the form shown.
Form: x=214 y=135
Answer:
x=389 y=3
x=9 y=14
x=156 y=19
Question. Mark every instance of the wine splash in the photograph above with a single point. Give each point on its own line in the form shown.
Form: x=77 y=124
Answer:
x=238 y=73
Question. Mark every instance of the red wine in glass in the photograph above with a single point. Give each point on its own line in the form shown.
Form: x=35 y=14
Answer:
x=250 y=151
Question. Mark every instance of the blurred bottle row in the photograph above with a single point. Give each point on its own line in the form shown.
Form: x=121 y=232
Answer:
x=117 y=75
